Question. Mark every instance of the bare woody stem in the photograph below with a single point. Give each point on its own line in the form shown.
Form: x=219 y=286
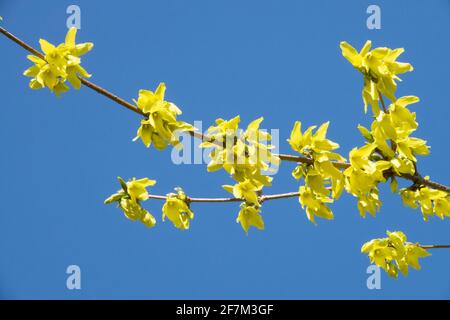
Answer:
x=382 y=102
x=299 y=159
x=262 y=198
x=435 y=246
x=111 y=96
x=273 y=197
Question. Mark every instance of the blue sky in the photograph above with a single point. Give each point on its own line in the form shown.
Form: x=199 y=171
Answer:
x=277 y=59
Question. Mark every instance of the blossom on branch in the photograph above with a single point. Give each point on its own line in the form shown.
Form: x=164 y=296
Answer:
x=60 y=64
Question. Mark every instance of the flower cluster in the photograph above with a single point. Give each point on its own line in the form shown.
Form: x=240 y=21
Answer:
x=394 y=253
x=61 y=64
x=246 y=155
x=160 y=125
x=432 y=202
x=390 y=150
x=363 y=176
x=324 y=182
x=129 y=200
x=380 y=70
x=133 y=192
x=176 y=209
x=249 y=215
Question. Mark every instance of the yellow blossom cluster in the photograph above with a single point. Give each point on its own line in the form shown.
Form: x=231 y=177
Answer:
x=245 y=155
x=390 y=150
x=394 y=253
x=129 y=199
x=324 y=182
x=176 y=209
x=432 y=202
x=160 y=125
x=62 y=63
x=249 y=215
x=363 y=176
x=380 y=69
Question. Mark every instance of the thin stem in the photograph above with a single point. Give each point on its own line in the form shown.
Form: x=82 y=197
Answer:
x=435 y=246
x=419 y=180
x=261 y=198
x=382 y=101
x=303 y=159
x=111 y=96
x=21 y=43
x=279 y=196
x=285 y=157
x=391 y=143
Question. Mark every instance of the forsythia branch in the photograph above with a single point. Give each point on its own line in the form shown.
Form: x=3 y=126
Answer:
x=325 y=173
x=291 y=158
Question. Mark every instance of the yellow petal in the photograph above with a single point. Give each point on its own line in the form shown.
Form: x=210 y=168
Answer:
x=70 y=37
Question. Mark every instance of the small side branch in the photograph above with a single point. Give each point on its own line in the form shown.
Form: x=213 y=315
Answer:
x=436 y=246
x=261 y=198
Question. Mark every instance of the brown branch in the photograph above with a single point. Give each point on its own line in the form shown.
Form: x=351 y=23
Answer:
x=21 y=43
x=111 y=96
x=382 y=101
x=419 y=180
x=285 y=157
x=435 y=246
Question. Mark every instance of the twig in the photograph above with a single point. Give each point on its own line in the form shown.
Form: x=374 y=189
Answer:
x=435 y=246
x=261 y=198
x=382 y=101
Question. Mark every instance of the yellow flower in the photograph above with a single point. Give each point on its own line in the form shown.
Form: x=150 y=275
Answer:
x=414 y=252
x=244 y=154
x=250 y=216
x=364 y=175
x=442 y=207
x=359 y=158
x=137 y=188
x=379 y=252
x=177 y=210
x=403 y=165
x=76 y=50
x=129 y=198
x=390 y=134
x=394 y=253
x=314 y=204
x=431 y=201
x=160 y=126
x=134 y=211
x=369 y=202
x=320 y=173
x=307 y=142
x=61 y=64
x=380 y=69
x=148 y=220
x=244 y=190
